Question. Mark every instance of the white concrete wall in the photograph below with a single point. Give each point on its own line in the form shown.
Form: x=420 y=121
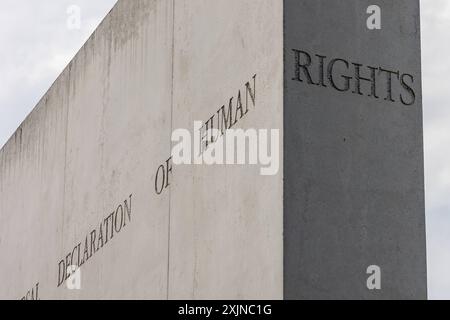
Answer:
x=99 y=135
x=226 y=221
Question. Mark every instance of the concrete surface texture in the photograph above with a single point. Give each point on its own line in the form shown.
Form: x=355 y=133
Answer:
x=87 y=179
x=99 y=136
x=353 y=181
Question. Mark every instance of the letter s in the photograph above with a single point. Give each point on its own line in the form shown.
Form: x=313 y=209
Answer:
x=408 y=88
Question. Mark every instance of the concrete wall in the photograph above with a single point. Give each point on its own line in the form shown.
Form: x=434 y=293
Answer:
x=226 y=221
x=85 y=179
x=94 y=143
x=354 y=189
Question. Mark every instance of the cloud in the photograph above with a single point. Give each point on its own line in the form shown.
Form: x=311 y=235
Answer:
x=36 y=45
x=435 y=68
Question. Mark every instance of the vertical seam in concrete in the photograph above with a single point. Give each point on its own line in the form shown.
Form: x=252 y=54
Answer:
x=171 y=128
x=284 y=144
x=419 y=31
x=65 y=160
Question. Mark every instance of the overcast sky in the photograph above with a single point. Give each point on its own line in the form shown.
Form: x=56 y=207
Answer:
x=436 y=92
x=36 y=45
